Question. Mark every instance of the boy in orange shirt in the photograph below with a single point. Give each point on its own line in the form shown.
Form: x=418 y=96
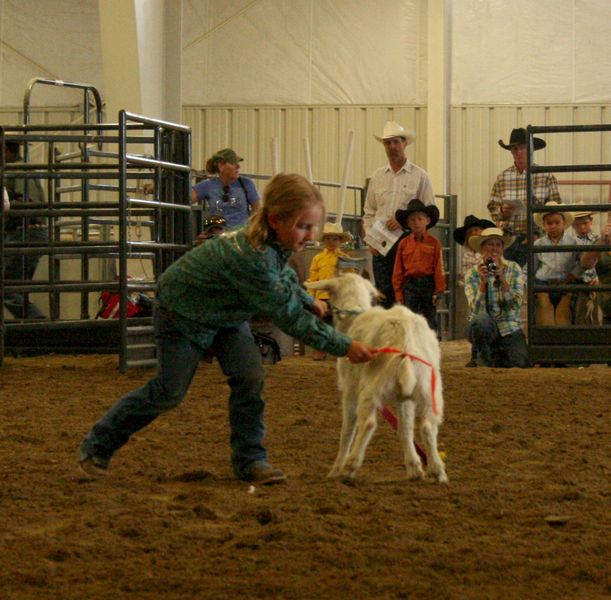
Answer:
x=418 y=276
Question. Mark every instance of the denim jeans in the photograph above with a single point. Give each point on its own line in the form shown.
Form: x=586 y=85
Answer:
x=382 y=273
x=178 y=357
x=418 y=297
x=494 y=350
x=22 y=268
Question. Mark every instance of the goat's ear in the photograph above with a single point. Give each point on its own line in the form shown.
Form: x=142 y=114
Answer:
x=324 y=284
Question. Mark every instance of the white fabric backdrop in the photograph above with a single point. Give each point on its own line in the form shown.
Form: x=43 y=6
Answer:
x=304 y=52
x=261 y=52
x=54 y=39
x=531 y=51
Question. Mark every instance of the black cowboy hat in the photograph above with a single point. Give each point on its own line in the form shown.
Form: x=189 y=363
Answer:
x=518 y=136
x=460 y=233
x=415 y=205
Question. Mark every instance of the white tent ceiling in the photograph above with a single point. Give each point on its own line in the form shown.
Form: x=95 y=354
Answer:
x=259 y=52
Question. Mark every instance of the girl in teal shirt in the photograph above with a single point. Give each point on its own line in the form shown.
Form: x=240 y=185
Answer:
x=204 y=302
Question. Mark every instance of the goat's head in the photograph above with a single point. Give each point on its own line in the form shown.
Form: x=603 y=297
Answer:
x=349 y=294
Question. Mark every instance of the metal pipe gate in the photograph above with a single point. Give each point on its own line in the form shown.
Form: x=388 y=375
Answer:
x=575 y=343
x=101 y=171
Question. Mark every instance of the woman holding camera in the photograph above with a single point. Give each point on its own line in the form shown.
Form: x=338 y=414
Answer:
x=495 y=290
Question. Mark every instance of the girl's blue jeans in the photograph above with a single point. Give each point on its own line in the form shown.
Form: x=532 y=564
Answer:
x=178 y=357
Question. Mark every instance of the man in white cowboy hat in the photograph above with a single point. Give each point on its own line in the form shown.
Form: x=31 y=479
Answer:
x=507 y=204
x=495 y=291
x=391 y=187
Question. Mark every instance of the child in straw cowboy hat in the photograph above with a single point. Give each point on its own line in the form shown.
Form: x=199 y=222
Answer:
x=587 y=305
x=324 y=266
x=471 y=226
x=554 y=308
x=495 y=291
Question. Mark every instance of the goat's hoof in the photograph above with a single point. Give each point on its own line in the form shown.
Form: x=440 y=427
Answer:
x=348 y=480
x=333 y=474
x=415 y=473
x=441 y=477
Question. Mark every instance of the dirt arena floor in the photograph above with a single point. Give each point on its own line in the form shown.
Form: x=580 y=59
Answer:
x=524 y=516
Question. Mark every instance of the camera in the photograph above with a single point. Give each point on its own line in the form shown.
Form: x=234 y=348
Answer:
x=491 y=265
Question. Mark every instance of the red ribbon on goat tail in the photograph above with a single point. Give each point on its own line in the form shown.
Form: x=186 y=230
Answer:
x=433 y=378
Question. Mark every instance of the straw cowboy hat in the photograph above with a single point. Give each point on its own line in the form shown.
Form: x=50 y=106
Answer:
x=334 y=229
x=492 y=233
x=583 y=213
x=415 y=205
x=518 y=136
x=568 y=216
x=460 y=233
x=393 y=129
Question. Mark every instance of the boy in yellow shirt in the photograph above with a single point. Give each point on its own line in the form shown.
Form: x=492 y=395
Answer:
x=324 y=266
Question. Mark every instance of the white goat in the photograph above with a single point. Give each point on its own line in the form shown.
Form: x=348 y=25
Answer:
x=392 y=379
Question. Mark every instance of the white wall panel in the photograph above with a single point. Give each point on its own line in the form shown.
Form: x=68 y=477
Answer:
x=530 y=51
x=476 y=157
x=249 y=130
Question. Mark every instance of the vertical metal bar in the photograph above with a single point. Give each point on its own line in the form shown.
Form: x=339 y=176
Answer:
x=530 y=307
x=2 y=166
x=51 y=261
x=186 y=159
x=452 y=263
x=85 y=271
x=123 y=241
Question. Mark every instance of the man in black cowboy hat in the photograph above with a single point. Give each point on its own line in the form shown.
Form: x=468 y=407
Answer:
x=418 y=276
x=507 y=203
x=390 y=188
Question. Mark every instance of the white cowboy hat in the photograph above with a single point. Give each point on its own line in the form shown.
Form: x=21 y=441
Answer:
x=475 y=241
x=568 y=216
x=393 y=129
x=334 y=229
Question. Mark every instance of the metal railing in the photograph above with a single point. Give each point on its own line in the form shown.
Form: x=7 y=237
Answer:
x=575 y=343
x=105 y=188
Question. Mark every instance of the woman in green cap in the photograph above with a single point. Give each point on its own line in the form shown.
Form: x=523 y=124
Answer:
x=228 y=194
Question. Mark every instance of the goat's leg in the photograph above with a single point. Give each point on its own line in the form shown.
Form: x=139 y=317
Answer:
x=435 y=465
x=405 y=431
x=347 y=433
x=366 y=423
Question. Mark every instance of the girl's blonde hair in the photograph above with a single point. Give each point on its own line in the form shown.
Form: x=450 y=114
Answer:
x=285 y=195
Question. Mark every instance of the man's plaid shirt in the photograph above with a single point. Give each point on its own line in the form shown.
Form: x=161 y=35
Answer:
x=510 y=186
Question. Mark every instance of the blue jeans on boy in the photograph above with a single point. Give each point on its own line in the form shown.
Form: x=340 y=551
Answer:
x=178 y=357
x=493 y=349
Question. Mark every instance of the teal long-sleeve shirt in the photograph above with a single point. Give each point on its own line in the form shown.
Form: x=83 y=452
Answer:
x=225 y=281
